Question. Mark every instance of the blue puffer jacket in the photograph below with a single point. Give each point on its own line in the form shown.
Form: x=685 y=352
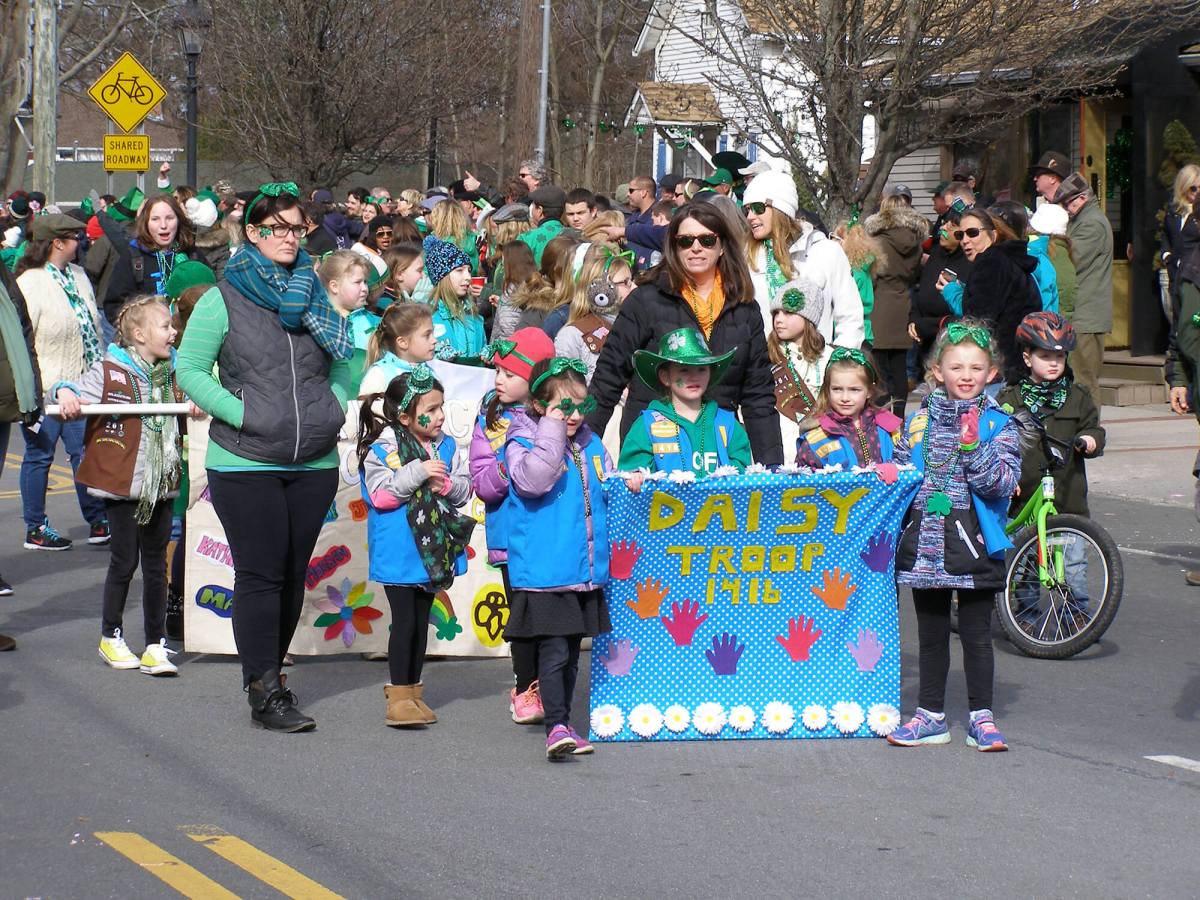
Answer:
x=1044 y=274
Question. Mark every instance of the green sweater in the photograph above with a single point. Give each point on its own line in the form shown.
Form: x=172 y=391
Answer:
x=636 y=452
x=194 y=371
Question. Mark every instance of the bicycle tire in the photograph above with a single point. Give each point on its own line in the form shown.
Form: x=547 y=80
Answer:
x=110 y=93
x=142 y=95
x=1106 y=547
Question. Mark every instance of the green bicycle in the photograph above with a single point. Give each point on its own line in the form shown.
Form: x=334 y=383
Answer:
x=1064 y=578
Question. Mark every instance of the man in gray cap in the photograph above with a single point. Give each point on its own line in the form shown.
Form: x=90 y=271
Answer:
x=1092 y=249
x=1049 y=172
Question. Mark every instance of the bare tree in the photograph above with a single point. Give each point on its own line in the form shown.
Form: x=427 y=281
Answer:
x=318 y=89
x=805 y=75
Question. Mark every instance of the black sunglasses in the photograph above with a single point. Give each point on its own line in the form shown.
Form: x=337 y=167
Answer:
x=969 y=232
x=757 y=208
x=685 y=241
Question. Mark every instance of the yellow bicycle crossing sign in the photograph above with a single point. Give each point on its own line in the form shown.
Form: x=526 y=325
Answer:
x=127 y=92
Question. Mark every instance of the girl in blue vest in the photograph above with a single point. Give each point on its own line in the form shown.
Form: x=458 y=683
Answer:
x=847 y=428
x=557 y=537
x=953 y=539
x=411 y=481
x=514 y=361
x=682 y=430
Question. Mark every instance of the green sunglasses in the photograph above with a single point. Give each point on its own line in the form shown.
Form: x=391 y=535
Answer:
x=757 y=208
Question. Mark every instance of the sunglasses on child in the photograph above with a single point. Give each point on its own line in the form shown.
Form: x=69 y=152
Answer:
x=568 y=406
x=685 y=241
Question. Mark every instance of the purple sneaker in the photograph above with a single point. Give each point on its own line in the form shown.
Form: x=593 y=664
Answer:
x=922 y=728
x=582 y=745
x=983 y=735
x=559 y=742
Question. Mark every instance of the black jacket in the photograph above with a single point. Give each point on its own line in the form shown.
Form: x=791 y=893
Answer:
x=1180 y=242
x=656 y=309
x=1001 y=291
x=134 y=270
x=928 y=308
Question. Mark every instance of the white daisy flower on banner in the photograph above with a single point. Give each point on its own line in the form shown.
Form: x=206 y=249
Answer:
x=756 y=469
x=741 y=718
x=883 y=719
x=709 y=718
x=778 y=717
x=645 y=720
x=848 y=717
x=680 y=476
x=677 y=718
x=814 y=717
x=724 y=472
x=607 y=720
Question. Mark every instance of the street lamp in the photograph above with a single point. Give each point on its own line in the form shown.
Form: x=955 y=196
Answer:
x=190 y=24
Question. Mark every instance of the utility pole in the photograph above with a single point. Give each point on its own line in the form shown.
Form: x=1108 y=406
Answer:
x=544 y=75
x=45 y=96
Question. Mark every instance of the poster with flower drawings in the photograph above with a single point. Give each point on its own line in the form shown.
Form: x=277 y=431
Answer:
x=343 y=611
x=752 y=606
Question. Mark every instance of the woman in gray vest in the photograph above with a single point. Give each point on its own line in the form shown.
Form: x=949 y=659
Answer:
x=277 y=402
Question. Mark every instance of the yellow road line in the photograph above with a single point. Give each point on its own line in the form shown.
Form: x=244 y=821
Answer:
x=165 y=867
x=61 y=479
x=265 y=868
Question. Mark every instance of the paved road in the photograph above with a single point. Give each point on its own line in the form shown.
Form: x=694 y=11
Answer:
x=172 y=774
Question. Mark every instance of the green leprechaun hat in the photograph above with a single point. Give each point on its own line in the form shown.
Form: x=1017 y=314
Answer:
x=685 y=346
x=125 y=209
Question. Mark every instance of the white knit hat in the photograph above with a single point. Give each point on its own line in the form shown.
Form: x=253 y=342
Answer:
x=810 y=303
x=776 y=188
x=203 y=213
x=1050 y=218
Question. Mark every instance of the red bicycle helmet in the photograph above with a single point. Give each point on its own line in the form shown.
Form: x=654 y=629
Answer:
x=1046 y=331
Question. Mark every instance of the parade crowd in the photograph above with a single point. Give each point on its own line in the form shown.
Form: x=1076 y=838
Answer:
x=718 y=322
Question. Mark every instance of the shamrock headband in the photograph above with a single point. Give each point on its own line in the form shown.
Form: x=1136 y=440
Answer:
x=272 y=189
x=421 y=380
x=792 y=300
x=558 y=365
x=503 y=349
x=957 y=332
x=848 y=354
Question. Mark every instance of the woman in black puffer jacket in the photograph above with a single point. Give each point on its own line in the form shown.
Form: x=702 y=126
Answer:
x=709 y=289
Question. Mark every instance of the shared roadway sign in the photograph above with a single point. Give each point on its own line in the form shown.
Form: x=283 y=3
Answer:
x=126 y=152
x=127 y=93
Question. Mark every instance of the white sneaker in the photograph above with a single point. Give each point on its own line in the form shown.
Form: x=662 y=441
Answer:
x=115 y=652
x=155 y=660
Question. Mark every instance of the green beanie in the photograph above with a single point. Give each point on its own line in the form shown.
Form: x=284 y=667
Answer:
x=188 y=274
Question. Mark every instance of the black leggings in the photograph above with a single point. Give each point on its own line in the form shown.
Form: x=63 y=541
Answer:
x=129 y=541
x=523 y=650
x=975 y=634
x=893 y=365
x=410 y=631
x=272 y=520
x=558 y=666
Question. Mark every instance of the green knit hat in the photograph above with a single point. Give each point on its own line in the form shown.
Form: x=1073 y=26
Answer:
x=685 y=346
x=188 y=274
x=125 y=209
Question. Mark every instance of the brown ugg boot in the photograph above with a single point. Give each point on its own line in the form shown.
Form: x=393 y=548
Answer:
x=429 y=714
x=402 y=712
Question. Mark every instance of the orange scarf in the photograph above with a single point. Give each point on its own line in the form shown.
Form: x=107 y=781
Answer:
x=707 y=309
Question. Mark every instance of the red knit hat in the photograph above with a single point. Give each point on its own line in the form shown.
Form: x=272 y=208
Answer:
x=518 y=355
x=94 y=231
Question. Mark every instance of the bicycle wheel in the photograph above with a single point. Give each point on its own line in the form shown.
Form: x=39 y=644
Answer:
x=110 y=93
x=1071 y=615
x=142 y=94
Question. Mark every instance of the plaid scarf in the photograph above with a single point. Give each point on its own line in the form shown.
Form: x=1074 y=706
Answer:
x=295 y=294
x=65 y=279
x=441 y=532
x=1045 y=397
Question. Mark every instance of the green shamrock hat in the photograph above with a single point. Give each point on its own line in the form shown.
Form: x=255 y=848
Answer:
x=125 y=209
x=685 y=346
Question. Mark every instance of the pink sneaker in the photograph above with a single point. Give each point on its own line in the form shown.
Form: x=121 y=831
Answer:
x=582 y=745
x=526 y=708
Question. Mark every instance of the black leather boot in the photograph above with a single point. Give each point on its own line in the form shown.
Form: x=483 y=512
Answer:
x=271 y=706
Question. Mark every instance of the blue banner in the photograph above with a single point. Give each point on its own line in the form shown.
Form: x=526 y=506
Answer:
x=752 y=606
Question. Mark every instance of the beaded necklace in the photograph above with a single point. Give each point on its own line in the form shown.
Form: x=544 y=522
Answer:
x=863 y=444
x=775 y=277
x=939 y=502
x=578 y=458
x=702 y=425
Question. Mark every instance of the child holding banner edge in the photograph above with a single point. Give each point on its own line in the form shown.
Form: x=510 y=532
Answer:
x=558 y=537
x=953 y=539
x=514 y=361
x=846 y=428
x=682 y=430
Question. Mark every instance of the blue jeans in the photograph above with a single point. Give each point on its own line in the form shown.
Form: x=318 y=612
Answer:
x=35 y=468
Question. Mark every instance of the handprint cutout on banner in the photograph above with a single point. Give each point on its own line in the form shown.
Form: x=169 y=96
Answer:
x=623 y=556
x=621 y=655
x=887 y=472
x=725 y=654
x=650 y=595
x=799 y=639
x=868 y=650
x=836 y=591
x=687 y=619
x=880 y=550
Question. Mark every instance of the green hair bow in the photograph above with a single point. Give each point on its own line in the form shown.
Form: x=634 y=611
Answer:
x=558 y=365
x=851 y=354
x=611 y=256
x=957 y=332
x=503 y=349
x=792 y=300
x=421 y=380
x=272 y=189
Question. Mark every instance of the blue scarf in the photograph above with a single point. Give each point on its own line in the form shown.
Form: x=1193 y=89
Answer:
x=294 y=293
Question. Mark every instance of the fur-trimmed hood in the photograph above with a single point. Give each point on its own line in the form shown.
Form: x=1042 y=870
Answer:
x=887 y=219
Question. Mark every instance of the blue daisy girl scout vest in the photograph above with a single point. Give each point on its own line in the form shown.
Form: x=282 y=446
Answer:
x=673 y=451
x=837 y=449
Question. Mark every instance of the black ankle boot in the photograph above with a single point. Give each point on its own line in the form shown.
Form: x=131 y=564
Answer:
x=271 y=706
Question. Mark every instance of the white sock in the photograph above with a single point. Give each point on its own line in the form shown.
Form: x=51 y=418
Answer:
x=976 y=713
x=937 y=717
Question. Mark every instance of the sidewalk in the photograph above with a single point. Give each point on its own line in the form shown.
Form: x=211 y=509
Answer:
x=1149 y=455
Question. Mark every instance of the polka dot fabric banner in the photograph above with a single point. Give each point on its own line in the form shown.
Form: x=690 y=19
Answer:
x=752 y=606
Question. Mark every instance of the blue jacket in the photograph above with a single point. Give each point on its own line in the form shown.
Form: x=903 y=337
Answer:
x=1044 y=274
x=464 y=335
x=391 y=546
x=496 y=515
x=548 y=540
